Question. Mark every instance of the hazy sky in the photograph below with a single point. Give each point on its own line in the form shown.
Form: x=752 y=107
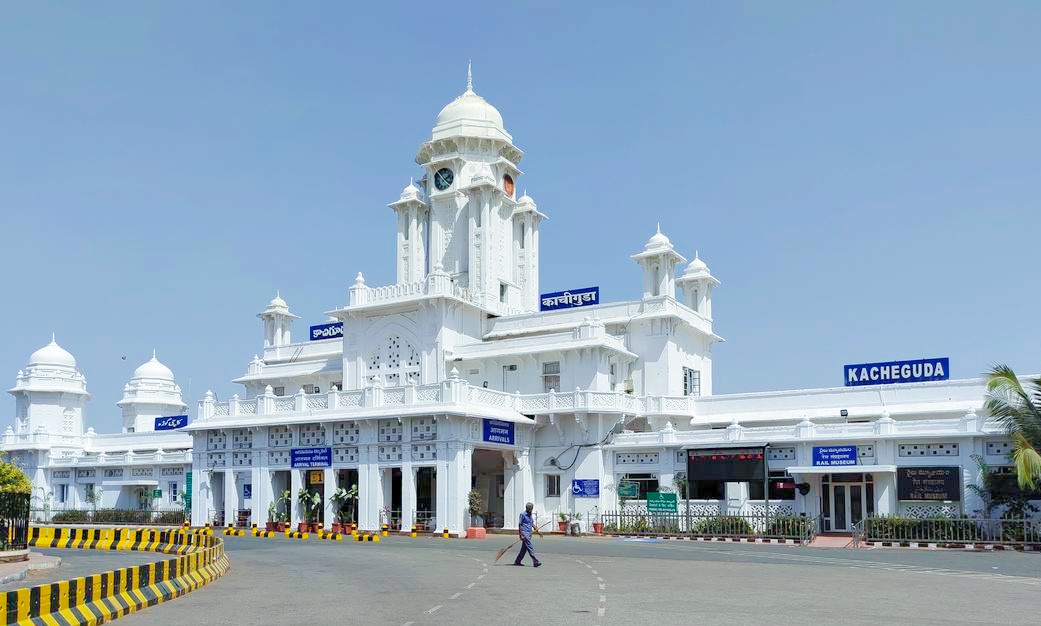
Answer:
x=864 y=178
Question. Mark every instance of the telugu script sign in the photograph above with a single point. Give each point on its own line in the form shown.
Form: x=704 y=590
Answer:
x=928 y=483
x=918 y=371
x=569 y=299
x=326 y=331
x=585 y=488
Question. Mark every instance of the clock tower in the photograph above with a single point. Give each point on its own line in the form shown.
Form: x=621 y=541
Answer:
x=464 y=218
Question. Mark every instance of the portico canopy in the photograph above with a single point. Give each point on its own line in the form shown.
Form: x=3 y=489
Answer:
x=843 y=469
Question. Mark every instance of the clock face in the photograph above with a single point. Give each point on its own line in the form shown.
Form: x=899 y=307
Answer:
x=507 y=185
x=443 y=178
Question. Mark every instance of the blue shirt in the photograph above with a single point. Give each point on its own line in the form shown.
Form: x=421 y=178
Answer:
x=526 y=524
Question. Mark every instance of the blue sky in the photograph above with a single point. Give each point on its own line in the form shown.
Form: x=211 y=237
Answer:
x=864 y=179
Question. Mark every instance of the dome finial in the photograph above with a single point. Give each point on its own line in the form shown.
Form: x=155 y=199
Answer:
x=469 y=78
x=153 y=354
x=53 y=340
x=659 y=228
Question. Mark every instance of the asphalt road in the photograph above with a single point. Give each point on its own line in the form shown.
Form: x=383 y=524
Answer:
x=588 y=581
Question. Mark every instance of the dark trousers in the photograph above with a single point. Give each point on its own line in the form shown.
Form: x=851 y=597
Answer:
x=526 y=548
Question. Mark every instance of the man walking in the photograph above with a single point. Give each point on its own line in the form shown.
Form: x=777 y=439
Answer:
x=525 y=526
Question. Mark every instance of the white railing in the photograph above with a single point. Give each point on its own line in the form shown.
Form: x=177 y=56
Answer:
x=123 y=458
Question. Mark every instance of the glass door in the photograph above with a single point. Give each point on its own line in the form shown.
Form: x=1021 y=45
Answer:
x=845 y=503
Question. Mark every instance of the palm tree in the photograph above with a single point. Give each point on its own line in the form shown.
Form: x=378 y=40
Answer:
x=1019 y=412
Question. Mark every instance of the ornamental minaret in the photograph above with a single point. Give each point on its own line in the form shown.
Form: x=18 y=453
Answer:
x=413 y=218
x=50 y=394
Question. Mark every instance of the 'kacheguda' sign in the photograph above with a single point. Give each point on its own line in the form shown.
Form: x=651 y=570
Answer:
x=928 y=483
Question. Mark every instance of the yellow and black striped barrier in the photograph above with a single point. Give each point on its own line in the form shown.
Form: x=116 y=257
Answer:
x=234 y=532
x=386 y=530
x=264 y=534
x=444 y=534
x=329 y=536
x=414 y=533
x=106 y=596
x=294 y=534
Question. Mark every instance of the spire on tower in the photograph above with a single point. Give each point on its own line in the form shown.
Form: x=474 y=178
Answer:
x=469 y=78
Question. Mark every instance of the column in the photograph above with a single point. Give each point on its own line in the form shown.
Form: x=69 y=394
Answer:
x=525 y=474
x=442 y=469
x=370 y=490
x=261 y=480
x=202 y=493
x=408 y=495
x=460 y=459
x=296 y=483
x=510 y=507
x=231 y=497
x=329 y=488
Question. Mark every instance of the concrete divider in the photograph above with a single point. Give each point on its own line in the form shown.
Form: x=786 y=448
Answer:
x=109 y=595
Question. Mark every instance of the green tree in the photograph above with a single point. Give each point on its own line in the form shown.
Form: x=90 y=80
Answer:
x=13 y=479
x=1019 y=412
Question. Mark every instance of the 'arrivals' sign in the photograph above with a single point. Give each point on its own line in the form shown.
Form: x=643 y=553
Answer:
x=498 y=431
x=920 y=370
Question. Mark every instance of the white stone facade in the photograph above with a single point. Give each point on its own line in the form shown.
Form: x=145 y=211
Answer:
x=401 y=388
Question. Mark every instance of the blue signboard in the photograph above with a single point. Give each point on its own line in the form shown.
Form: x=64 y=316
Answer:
x=917 y=371
x=327 y=331
x=247 y=491
x=172 y=422
x=497 y=431
x=569 y=299
x=585 y=488
x=311 y=457
x=834 y=456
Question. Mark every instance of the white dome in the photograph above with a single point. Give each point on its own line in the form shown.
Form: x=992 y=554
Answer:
x=153 y=369
x=697 y=266
x=526 y=199
x=658 y=241
x=469 y=107
x=278 y=302
x=52 y=354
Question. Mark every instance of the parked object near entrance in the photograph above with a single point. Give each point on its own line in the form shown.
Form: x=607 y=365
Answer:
x=343 y=501
x=476 y=503
x=309 y=503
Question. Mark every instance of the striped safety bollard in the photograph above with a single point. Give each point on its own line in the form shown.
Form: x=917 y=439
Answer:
x=386 y=530
x=414 y=533
x=444 y=534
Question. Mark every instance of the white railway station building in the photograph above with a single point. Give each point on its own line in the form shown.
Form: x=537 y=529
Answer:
x=464 y=375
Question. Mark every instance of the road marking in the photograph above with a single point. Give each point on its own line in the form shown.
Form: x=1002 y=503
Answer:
x=471 y=585
x=595 y=572
x=480 y=577
x=600 y=612
x=579 y=561
x=485 y=571
x=435 y=608
x=602 y=586
x=599 y=579
x=456 y=595
x=408 y=624
x=603 y=599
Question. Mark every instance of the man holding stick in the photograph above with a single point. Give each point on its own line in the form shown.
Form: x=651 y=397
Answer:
x=525 y=526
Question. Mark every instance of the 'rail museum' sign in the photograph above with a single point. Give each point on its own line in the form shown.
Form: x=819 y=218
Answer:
x=834 y=456
x=569 y=299
x=917 y=371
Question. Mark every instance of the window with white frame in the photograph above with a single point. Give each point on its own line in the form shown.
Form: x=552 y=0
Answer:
x=62 y=493
x=551 y=376
x=691 y=382
x=552 y=485
x=171 y=488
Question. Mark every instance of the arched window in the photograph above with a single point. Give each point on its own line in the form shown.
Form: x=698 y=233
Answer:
x=396 y=362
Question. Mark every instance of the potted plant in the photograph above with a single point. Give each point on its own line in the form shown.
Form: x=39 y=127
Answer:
x=272 y=517
x=562 y=522
x=598 y=525
x=343 y=501
x=576 y=525
x=309 y=503
x=475 y=502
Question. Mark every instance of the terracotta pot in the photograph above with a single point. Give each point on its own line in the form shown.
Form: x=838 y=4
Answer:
x=337 y=527
x=271 y=526
x=598 y=528
x=303 y=527
x=562 y=527
x=316 y=527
